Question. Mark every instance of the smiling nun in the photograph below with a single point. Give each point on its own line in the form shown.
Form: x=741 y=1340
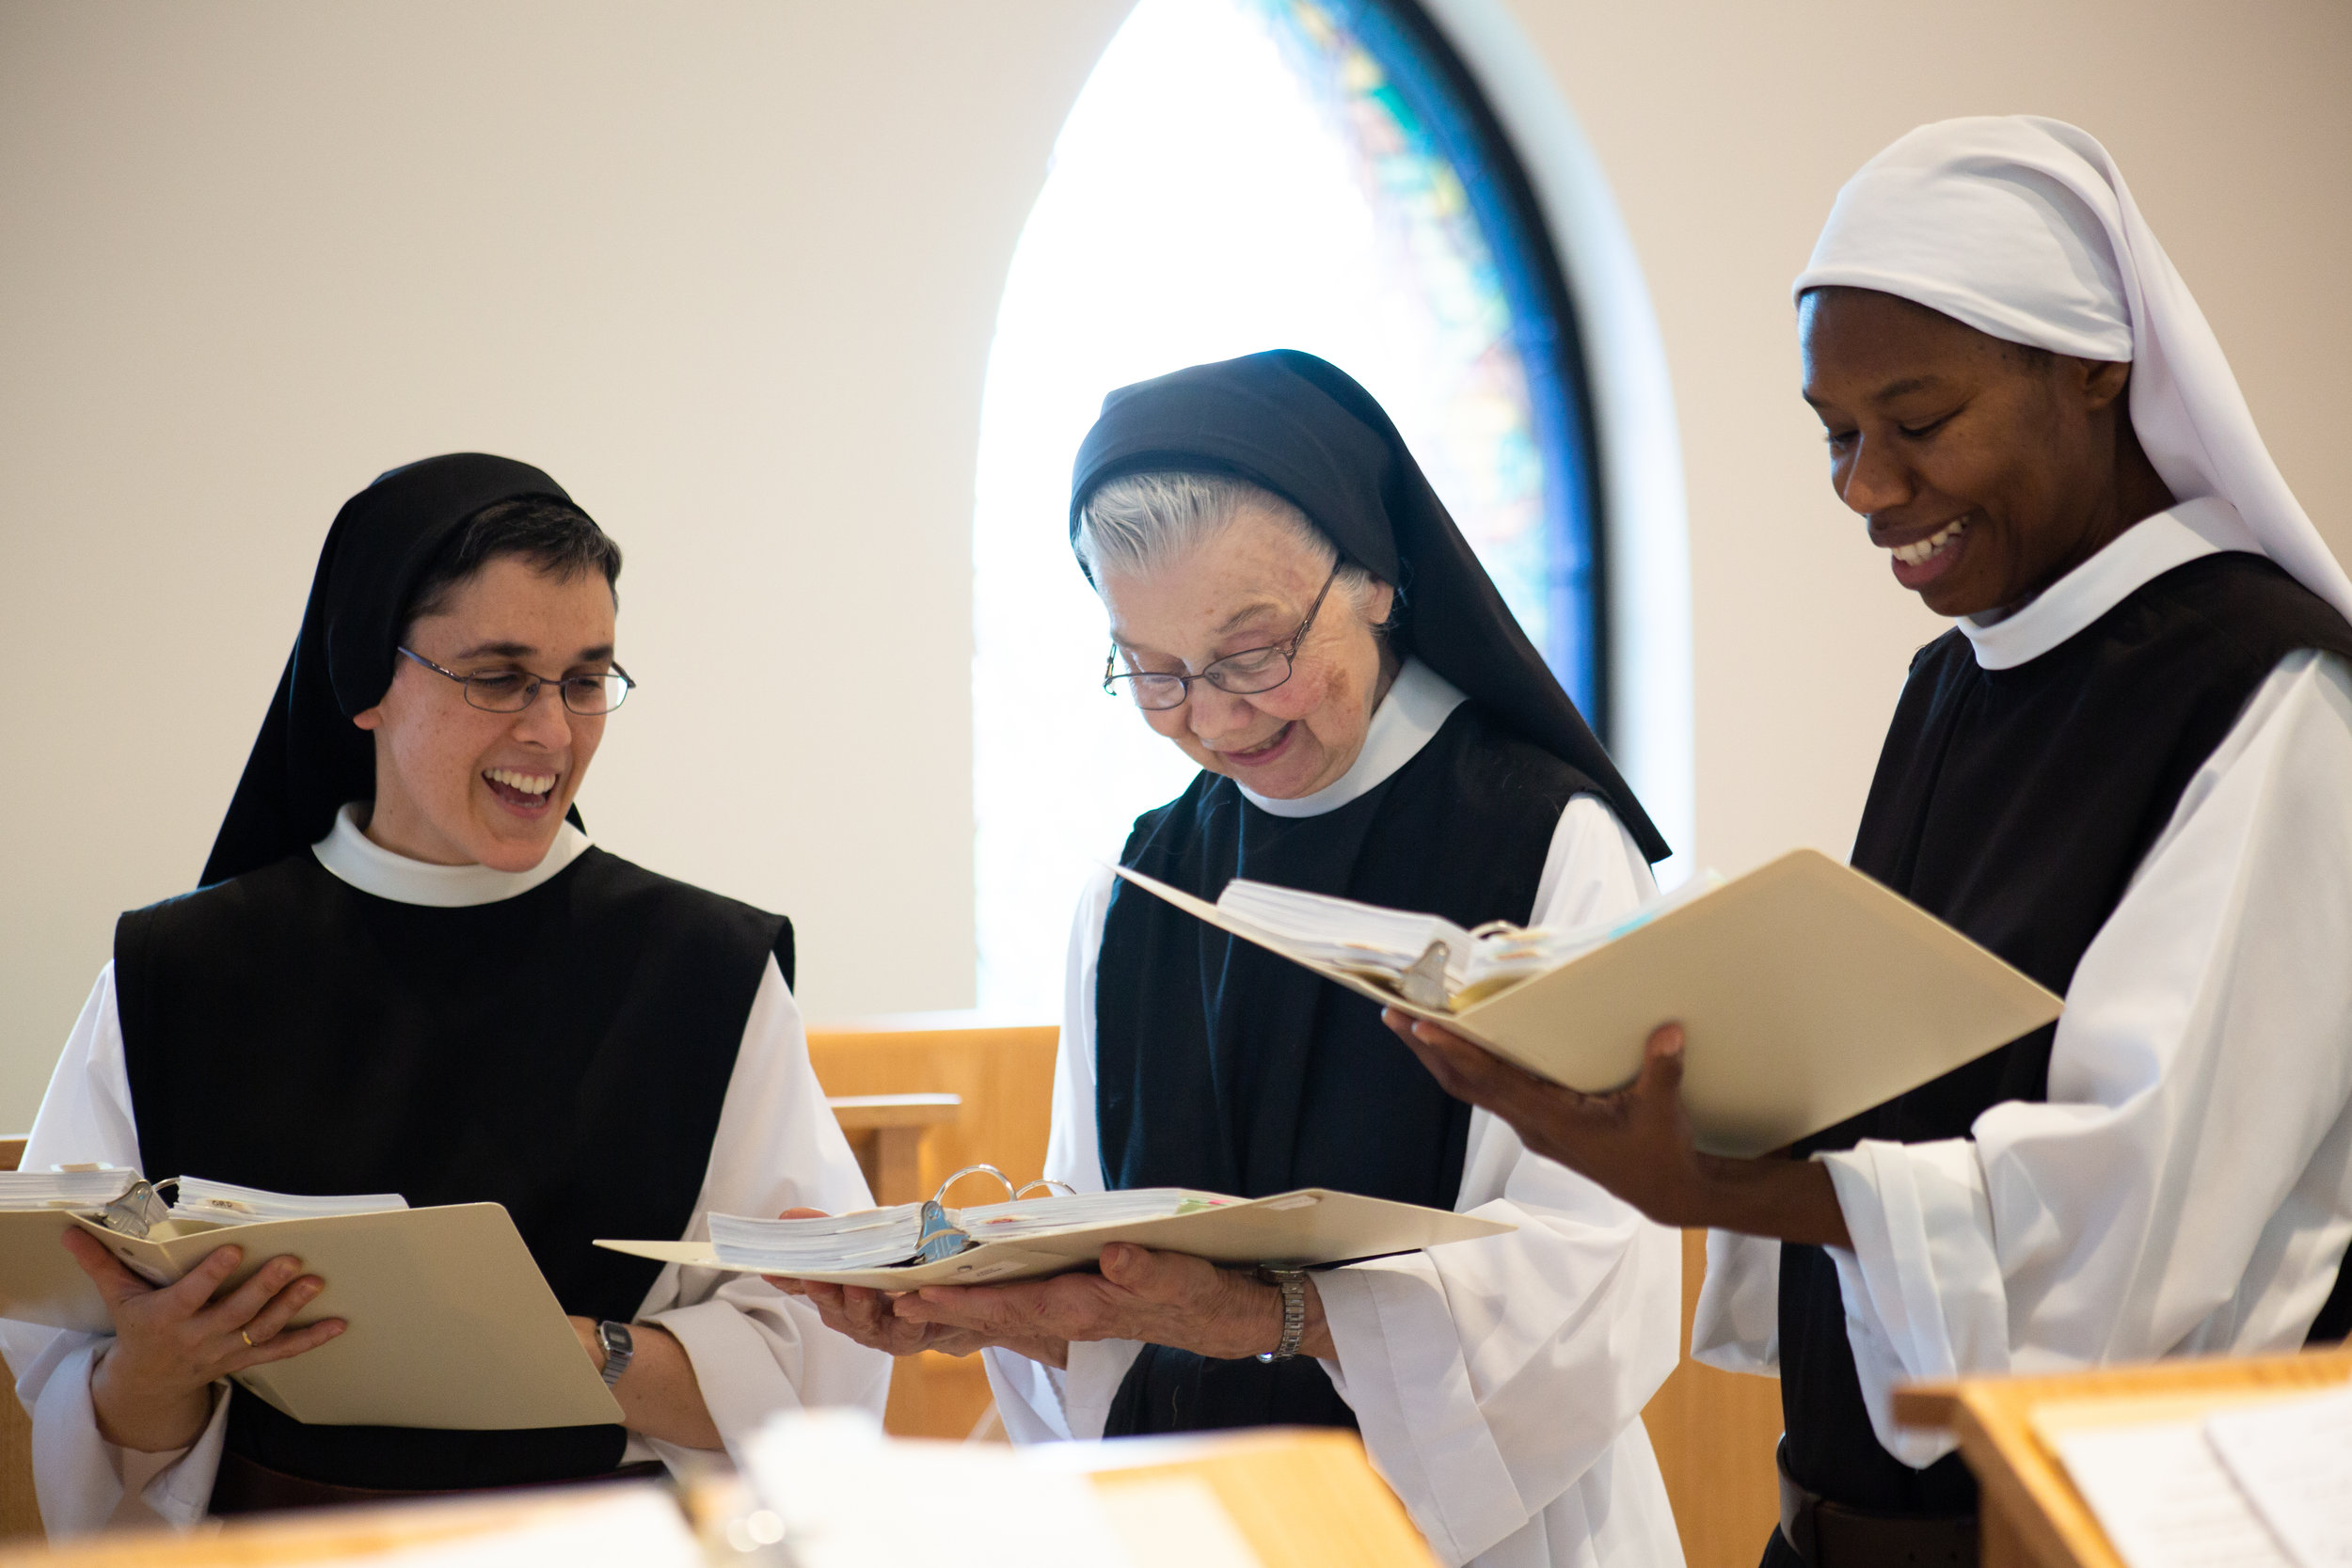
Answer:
x=1249 y=525
x=2127 y=768
x=408 y=972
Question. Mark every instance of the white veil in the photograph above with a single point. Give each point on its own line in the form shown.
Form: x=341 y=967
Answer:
x=2024 y=229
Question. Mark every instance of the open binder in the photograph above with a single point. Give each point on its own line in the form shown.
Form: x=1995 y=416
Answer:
x=1807 y=993
x=951 y=1246
x=449 y=1323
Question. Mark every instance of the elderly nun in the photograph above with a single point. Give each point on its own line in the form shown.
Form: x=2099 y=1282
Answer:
x=2127 y=768
x=1292 y=607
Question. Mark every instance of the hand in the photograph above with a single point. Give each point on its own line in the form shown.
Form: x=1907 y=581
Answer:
x=659 y=1393
x=1636 y=1141
x=1161 y=1298
x=152 y=1387
x=864 y=1314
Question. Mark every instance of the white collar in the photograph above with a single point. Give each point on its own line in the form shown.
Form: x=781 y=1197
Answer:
x=2141 y=553
x=1417 y=703
x=354 y=857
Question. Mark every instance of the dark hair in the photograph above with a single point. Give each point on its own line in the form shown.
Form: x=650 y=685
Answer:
x=557 y=537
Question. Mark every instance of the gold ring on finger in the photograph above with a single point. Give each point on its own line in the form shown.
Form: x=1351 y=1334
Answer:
x=248 y=1340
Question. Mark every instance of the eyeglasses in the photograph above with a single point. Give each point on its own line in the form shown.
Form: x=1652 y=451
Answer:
x=1242 y=674
x=512 y=691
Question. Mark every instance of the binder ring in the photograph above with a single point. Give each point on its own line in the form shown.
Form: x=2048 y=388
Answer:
x=941 y=1196
x=1050 y=1185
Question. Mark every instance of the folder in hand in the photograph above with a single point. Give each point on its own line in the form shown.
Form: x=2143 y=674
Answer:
x=449 y=1323
x=1806 y=992
x=1049 y=1235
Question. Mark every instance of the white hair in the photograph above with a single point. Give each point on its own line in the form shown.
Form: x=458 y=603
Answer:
x=1141 y=523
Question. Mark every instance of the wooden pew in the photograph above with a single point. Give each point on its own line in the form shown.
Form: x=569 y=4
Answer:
x=20 y=1512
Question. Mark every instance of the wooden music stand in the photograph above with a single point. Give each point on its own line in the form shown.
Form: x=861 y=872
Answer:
x=2033 y=1517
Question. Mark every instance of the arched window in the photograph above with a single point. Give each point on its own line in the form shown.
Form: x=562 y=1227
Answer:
x=1239 y=175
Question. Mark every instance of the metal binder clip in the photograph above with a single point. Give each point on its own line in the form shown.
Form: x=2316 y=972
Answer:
x=941 y=1237
x=138 y=1211
x=1424 y=984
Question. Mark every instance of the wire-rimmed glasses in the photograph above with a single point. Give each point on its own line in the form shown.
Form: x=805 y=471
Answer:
x=512 y=691
x=1242 y=674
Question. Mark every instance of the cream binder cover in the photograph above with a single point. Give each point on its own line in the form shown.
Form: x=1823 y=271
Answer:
x=1807 y=993
x=1308 y=1227
x=451 y=1323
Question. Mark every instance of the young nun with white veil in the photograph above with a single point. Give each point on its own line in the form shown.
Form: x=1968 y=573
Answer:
x=409 y=970
x=1248 y=525
x=2127 y=768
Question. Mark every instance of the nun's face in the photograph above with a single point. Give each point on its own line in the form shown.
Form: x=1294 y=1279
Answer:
x=457 y=786
x=1250 y=587
x=1986 y=472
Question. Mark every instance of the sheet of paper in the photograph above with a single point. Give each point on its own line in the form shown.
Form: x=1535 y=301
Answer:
x=2163 y=1498
x=2293 y=1461
x=848 y=1497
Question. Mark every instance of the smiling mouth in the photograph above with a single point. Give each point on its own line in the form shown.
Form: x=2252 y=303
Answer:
x=517 y=788
x=1920 y=551
x=1258 y=754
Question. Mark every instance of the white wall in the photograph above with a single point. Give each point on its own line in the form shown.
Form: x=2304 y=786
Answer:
x=729 y=272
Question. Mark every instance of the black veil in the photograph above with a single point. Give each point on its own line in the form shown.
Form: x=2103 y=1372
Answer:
x=309 y=758
x=1304 y=429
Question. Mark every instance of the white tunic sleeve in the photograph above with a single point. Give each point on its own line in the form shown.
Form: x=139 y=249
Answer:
x=83 y=1481
x=1498 y=1383
x=754 y=1350
x=2187 y=1187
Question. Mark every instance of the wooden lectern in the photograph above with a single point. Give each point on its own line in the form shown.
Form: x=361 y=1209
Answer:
x=2033 y=1516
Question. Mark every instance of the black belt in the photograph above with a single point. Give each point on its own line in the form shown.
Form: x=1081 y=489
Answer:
x=1830 y=1535
x=245 y=1487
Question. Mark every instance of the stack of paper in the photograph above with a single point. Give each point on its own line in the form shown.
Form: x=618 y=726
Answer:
x=92 y=1187
x=879 y=1237
x=870 y=1239
x=1382 y=944
x=1046 y=1216
x=226 y=1203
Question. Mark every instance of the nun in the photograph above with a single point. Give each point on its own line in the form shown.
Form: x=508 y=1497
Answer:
x=1292 y=607
x=408 y=970
x=2127 y=769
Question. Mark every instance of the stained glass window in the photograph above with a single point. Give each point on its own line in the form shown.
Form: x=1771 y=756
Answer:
x=1239 y=175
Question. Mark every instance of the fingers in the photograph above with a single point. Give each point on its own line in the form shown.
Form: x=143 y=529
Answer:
x=1662 y=1060
x=237 y=1308
x=271 y=1320
x=195 y=1290
x=787 y=1285
x=803 y=1214
x=291 y=1343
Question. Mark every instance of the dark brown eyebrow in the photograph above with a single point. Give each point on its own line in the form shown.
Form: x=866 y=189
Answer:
x=1892 y=391
x=524 y=650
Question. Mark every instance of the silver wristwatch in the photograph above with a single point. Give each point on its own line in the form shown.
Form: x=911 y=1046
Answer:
x=619 y=1346
x=1292 y=1284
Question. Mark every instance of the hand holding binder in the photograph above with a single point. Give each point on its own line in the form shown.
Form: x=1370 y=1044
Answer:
x=448 y=1321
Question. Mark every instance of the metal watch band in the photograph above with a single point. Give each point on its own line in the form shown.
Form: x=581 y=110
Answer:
x=619 y=1347
x=1292 y=1284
